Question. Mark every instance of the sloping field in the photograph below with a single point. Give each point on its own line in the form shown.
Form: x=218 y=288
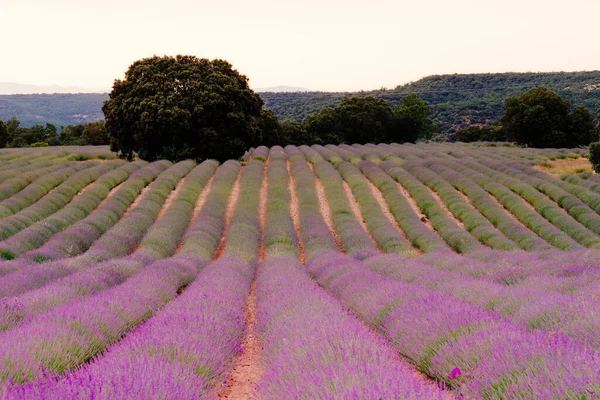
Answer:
x=429 y=271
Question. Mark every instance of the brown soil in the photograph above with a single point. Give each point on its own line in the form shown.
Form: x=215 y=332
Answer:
x=197 y=207
x=414 y=206
x=86 y=187
x=295 y=213
x=566 y=166
x=510 y=214
x=170 y=199
x=231 y=202
x=136 y=201
x=247 y=368
x=443 y=206
x=114 y=190
x=468 y=201
x=325 y=211
x=357 y=213
x=262 y=211
x=386 y=211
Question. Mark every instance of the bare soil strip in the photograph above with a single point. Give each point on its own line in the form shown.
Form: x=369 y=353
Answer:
x=386 y=211
x=295 y=213
x=325 y=211
x=510 y=214
x=414 y=206
x=113 y=190
x=262 y=211
x=197 y=207
x=170 y=199
x=247 y=368
x=231 y=203
x=443 y=206
x=136 y=201
x=357 y=213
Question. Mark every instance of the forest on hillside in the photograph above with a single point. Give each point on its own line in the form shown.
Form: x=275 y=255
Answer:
x=456 y=100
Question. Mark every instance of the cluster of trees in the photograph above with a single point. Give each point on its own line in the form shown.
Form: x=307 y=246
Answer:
x=456 y=100
x=186 y=107
x=13 y=135
x=538 y=117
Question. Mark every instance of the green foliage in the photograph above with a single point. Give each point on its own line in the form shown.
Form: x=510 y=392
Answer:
x=411 y=120
x=541 y=118
x=481 y=133
x=3 y=134
x=456 y=100
x=182 y=107
x=595 y=156
x=39 y=144
x=370 y=120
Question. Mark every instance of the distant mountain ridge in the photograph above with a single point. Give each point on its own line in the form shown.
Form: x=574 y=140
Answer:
x=20 y=88
x=456 y=100
x=279 y=89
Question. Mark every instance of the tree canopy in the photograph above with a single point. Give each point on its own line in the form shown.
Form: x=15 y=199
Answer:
x=3 y=134
x=412 y=120
x=541 y=118
x=182 y=107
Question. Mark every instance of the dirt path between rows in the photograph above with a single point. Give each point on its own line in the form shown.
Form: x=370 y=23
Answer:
x=247 y=367
x=324 y=209
x=443 y=206
x=172 y=196
x=295 y=212
x=358 y=214
x=262 y=211
x=231 y=203
x=137 y=200
x=386 y=211
x=197 y=207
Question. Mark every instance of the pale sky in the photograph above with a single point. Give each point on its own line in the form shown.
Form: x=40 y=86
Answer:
x=318 y=44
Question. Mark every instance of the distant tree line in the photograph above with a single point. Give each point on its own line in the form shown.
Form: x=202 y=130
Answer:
x=186 y=107
x=14 y=135
x=538 y=118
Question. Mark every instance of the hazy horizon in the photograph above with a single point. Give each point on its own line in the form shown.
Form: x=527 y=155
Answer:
x=327 y=45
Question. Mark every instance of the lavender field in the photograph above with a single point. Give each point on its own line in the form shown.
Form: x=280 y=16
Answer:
x=428 y=271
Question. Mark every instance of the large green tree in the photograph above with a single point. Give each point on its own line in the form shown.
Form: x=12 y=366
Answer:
x=3 y=134
x=182 y=107
x=412 y=121
x=354 y=120
x=541 y=118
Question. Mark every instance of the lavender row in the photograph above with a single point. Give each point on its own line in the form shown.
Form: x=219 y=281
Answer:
x=243 y=233
x=80 y=281
x=530 y=306
x=316 y=236
x=162 y=238
x=53 y=201
x=496 y=214
x=60 y=340
x=583 y=205
x=126 y=234
x=279 y=234
x=473 y=221
x=519 y=208
x=314 y=349
x=417 y=232
x=182 y=352
x=473 y=350
x=261 y=153
x=453 y=234
x=77 y=238
x=118 y=241
x=389 y=239
x=40 y=187
x=353 y=237
x=78 y=208
x=204 y=232
x=13 y=185
x=27 y=166
x=544 y=206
